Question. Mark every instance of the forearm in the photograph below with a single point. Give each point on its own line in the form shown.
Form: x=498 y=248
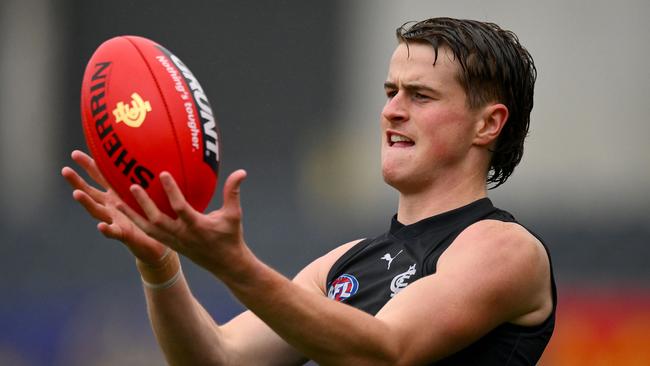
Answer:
x=324 y=330
x=186 y=333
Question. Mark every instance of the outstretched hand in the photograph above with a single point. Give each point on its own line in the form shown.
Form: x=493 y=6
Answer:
x=214 y=241
x=102 y=205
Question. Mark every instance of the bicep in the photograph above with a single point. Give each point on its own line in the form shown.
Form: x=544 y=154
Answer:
x=478 y=285
x=438 y=316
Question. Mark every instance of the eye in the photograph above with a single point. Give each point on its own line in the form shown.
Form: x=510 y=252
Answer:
x=390 y=93
x=420 y=96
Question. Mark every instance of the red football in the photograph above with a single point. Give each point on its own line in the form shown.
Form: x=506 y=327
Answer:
x=144 y=112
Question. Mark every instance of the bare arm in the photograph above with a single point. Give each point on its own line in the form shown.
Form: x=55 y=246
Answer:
x=467 y=303
x=412 y=328
x=188 y=335
x=185 y=331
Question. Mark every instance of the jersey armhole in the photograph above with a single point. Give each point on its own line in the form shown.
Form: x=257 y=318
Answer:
x=346 y=257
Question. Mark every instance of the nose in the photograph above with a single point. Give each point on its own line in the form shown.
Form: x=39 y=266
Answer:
x=395 y=110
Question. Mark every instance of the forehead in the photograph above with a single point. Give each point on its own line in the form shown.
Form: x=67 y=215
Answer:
x=415 y=63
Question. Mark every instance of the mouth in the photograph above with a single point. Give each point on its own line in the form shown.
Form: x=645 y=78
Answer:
x=397 y=140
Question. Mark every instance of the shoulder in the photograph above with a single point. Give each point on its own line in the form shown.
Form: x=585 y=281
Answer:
x=314 y=275
x=493 y=239
x=508 y=259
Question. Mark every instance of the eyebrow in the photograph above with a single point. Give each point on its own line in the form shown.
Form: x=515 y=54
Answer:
x=411 y=87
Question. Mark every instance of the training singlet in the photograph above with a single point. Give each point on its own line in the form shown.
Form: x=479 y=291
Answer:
x=375 y=270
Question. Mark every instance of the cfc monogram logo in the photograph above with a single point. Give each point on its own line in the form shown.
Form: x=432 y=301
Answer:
x=132 y=115
x=400 y=281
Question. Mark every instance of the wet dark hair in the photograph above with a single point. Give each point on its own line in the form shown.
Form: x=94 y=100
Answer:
x=494 y=67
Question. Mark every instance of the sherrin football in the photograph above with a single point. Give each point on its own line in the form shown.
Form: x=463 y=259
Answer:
x=144 y=112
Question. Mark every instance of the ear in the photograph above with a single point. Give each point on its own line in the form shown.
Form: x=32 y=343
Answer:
x=492 y=119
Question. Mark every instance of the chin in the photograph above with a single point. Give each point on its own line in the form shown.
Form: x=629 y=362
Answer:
x=393 y=178
x=405 y=181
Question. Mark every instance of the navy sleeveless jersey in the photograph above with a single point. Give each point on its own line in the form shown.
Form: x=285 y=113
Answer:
x=375 y=270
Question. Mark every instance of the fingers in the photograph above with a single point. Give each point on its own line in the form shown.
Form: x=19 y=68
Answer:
x=111 y=231
x=176 y=198
x=156 y=224
x=135 y=217
x=77 y=182
x=165 y=229
x=231 y=193
x=96 y=210
x=88 y=164
x=148 y=205
x=145 y=248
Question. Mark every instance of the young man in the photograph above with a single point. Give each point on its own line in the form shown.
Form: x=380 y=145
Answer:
x=454 y=281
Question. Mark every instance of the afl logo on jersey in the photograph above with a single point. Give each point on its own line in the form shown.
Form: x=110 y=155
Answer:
x=343 y=287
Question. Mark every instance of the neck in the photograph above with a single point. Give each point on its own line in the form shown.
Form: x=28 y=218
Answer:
x=442 y=196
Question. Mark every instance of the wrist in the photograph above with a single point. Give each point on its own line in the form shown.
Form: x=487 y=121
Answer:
x=240 y=269
x=162 y=274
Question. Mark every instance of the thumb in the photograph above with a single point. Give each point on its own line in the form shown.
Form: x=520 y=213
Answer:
x=231 y=192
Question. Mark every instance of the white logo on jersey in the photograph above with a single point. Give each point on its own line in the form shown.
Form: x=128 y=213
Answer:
x=399 y=282
x=388 y=258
